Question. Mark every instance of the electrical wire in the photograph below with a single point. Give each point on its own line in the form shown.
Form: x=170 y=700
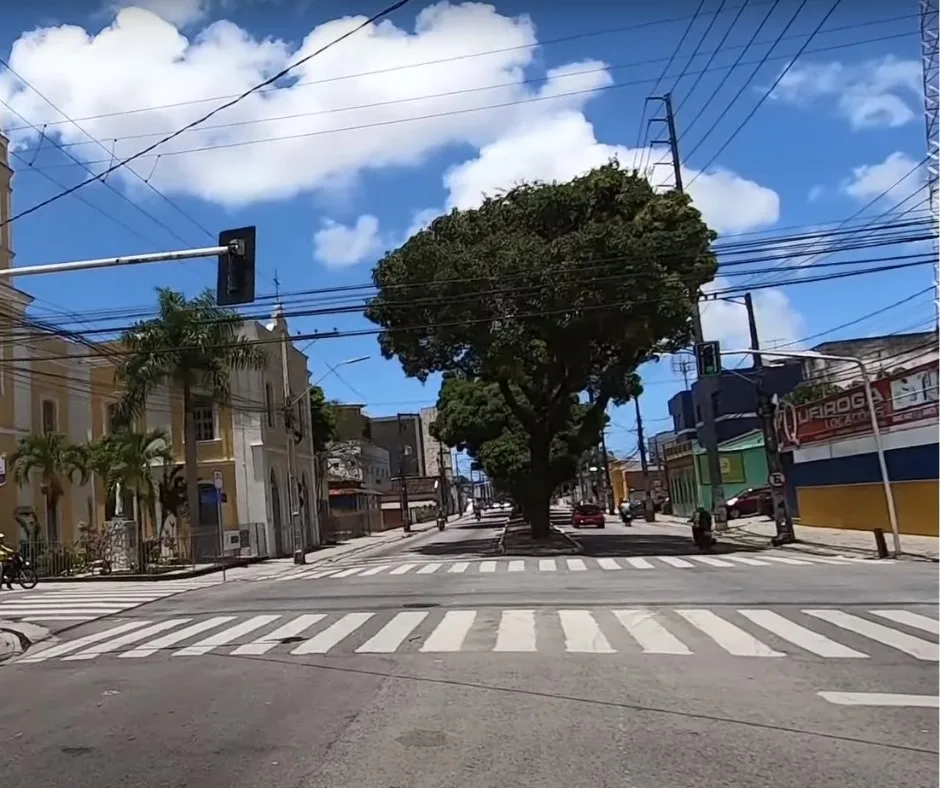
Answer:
x=227 y=105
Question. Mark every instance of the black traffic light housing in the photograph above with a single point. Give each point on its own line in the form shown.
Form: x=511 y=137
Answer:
x=708 y=359
x=236 y=283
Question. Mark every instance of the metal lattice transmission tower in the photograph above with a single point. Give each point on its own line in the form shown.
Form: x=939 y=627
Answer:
x=929 y=40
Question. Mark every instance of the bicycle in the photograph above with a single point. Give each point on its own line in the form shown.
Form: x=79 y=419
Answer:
x=20 y=570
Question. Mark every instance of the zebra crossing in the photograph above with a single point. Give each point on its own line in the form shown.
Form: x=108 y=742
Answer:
x=78 y=602
x=386 y=568
x=826 y=633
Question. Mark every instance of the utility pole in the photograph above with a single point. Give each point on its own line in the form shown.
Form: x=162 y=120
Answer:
x=300 y=554
x=649 y=512
x=608 y=481
x=442 y=477
x=765 y=410
x=707 y=385
x=402 y=479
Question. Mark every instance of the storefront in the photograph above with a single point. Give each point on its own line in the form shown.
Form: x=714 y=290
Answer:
x=743 y=466
x=836 y=472
x=679 y=462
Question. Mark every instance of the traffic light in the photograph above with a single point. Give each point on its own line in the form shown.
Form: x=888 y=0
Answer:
x=236 y=283
x=708 y=359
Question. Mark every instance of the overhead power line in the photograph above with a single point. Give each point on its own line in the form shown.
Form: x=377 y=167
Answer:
x=227 y=105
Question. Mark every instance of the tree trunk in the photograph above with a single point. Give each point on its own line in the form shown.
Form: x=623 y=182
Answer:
x=191 y=463
x=538 y=500
x=141 y=548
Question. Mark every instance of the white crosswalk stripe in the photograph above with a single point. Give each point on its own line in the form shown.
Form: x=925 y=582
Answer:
x=748 y=633
x=729 y=561
x=87 y=601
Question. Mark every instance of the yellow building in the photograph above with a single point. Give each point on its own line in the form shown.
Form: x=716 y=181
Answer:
x=52 y=384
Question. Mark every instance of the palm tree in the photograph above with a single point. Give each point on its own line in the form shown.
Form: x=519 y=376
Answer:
x=47 y=455
x=192 y=344
x=134 y=458
x=87 y=462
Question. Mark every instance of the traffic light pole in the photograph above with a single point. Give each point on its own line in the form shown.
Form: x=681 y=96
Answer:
x=707 y=385
x=116 y=262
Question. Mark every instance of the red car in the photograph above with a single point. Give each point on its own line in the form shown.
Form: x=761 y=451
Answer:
x=588 y=514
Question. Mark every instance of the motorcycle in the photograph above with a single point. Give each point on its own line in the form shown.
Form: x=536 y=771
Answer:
x=626 y=515
x=20 y=570
x=441 y=522
x=702 y=535
x=478 y=515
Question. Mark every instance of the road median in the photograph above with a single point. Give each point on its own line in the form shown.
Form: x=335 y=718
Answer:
x=516 y=539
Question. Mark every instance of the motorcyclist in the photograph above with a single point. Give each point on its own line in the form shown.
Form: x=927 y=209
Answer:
x=476 y=510
x=6 y=553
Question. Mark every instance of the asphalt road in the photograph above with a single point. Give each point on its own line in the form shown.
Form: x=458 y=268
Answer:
x=671 y=677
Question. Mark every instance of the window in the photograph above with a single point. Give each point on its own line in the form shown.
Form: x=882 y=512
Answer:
x=112 y=418
x=269 y=403
x=49 y=421
x=204 y=418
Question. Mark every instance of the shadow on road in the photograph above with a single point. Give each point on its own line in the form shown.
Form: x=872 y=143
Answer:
x=461 y=547
x=613 y=545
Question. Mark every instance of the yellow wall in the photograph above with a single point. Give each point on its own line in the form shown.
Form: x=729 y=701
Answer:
x=862 y=507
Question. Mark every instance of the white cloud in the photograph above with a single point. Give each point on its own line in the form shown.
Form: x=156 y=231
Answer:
x=778 y=322
x=329 y=127
x=895 y=179
x=885 y=92
x=338 y=245
x=180 y=13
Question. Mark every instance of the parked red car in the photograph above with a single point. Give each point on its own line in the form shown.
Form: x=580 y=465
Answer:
x=754 y=501
x=588 y=514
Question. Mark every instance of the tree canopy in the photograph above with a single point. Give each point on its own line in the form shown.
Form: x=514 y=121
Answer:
x=539 y=295
x=810 y=392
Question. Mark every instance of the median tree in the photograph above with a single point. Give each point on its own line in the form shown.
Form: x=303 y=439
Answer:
x=547 y=292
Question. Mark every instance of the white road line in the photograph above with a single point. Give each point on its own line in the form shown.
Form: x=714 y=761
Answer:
x=393 y=634
x=652 y=636
x=400 y=570
x=459 y=568
x=547 y=565
x=731 y=638
x=800 y=636
x=576 y=565
x=125 y=640
x=61 y=618
x=639 y=563
x=517 y=566
x=429 y=569
x=742 y=559
x=582 y=633
x=516 y=631
x=881 y=699
x=608 y=563
x=153 y=646
x=785 y=560
x=226 y=636
x=288 y=630
x=679 y=563
x=450 y=634
x=711 y=560
x=909 y=619
x=488 y=566
x=347 y=572
x=333 y=634
x=916 y=647
x=374 y=570
x=74 y=645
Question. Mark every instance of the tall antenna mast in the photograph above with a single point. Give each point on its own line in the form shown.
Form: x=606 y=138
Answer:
x=929 y=38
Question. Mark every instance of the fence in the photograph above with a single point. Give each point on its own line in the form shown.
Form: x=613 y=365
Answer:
x=113 y=549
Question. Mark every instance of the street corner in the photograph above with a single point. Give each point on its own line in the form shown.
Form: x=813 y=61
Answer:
x=16 y=637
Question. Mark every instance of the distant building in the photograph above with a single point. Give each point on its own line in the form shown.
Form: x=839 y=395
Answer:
x=657 y=443
x=402 y=437
x=883 y=356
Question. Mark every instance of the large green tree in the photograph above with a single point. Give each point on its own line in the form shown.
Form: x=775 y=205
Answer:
x=192 y=345
x=547 y=291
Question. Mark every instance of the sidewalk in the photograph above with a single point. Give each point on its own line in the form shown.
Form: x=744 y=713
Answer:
x=757 y=532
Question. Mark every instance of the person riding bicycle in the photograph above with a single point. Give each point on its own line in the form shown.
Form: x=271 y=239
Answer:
x=6 y=553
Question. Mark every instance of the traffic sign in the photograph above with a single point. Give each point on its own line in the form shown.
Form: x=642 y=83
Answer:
x=776 y=479
x=217 y=479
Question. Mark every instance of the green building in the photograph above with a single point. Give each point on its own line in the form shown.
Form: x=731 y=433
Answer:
x=743 y=466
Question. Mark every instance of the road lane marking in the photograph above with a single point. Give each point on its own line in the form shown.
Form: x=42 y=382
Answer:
x=400 y=570
x=800 y=636
x=652 y=636
x=916 y=647
x=639 y=563
x=576 y=565
x=329 y=637
x=388 y=639
x=547 y=565
x=881 y=699
x=711 y=561
x=450 y=633
x=291 y=629
x=907 y=618
x=516 y=631
x=517 y=566
x=459 y=568
x=74 y=645
x=488 y=566
x=153 y=646
x=429 y=569
x=679 y=563
x=741 y=559
x=582 y=633
x=731 y=638
x=608 y=563
x=374 y=570
x=226 y=636
x=347 y=572
x=783 y=560
x=125 y=640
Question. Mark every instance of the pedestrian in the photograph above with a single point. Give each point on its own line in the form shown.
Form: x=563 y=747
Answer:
x=6 y=553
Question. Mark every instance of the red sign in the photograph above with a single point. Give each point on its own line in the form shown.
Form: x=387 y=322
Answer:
x=904 y=398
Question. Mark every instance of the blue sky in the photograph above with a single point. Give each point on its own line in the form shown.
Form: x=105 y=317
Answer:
x=382 y=143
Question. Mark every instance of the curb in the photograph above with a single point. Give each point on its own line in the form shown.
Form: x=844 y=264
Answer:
x=366 y=547
x=16 y=637
x=158 y=578
x=501 y=547
x=577 y=545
